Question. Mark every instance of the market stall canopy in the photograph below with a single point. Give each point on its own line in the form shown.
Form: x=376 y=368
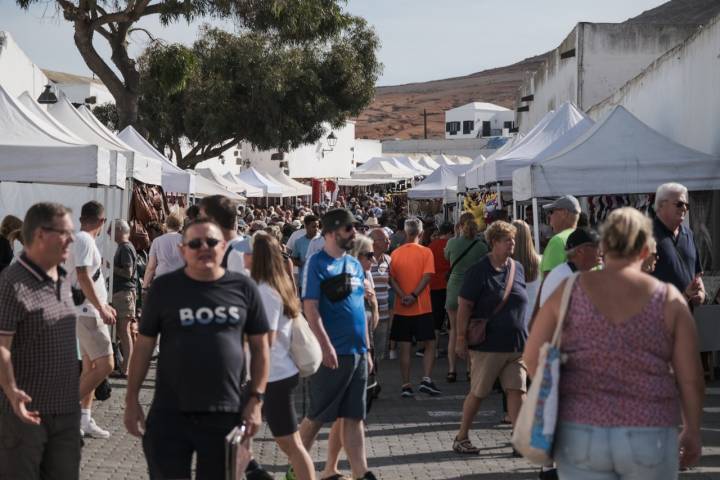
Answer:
x=300 y=189
x=413 y=165
x=143 y=168
x=363 y=182
x=442 y=183
x=174 y=178
x=461 y=159
x=246 y=188
x=427 y=162
x=510 y=144
x=256 y=179
x=33 y=151
x=381 y=167
x=443 y=160
x=403 y=167
x=619 y=155
x=205 y=187
x=558 y=131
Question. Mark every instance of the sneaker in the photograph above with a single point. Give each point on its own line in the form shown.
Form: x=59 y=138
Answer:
x=420 y=352
x=407 y=392
x=290 y=475
x=392 y=355
x=549 y=474
x=92 y=430
x=427 y=386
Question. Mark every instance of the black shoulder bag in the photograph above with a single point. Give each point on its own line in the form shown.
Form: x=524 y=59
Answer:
x=457 y=260
x=77 y=293
x=339 y=287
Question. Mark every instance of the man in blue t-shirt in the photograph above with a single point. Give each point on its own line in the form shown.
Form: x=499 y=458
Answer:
x=300 y=248
x=335 y=310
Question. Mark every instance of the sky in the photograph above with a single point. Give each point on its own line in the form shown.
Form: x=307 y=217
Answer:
x=421 y=39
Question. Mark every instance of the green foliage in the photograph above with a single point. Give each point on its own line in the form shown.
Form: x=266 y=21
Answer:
x=258 y=88
x=107 y=113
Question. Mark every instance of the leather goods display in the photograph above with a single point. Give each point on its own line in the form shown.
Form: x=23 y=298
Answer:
x=475 y=334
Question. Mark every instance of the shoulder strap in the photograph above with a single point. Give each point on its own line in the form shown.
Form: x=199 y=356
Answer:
x=224 y=262
x=509 y=280
x=564 y=302
x=465 y=252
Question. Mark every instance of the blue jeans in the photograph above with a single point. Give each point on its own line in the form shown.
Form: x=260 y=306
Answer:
x=586 y=452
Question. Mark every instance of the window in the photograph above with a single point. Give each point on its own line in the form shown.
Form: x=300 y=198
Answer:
x=468 y=126
x=452 y=127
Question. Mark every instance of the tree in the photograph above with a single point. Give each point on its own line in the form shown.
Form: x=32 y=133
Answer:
x=252 y=86
x=294 y=21
x=108 y=115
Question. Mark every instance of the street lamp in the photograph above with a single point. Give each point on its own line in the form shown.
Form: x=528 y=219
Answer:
x=332 y=141
x=47 y=97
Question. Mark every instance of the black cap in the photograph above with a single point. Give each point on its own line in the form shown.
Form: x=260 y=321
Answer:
x=581 y=236
x=337 y=218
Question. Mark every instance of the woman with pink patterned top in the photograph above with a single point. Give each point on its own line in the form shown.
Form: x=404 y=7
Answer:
x=632 y=366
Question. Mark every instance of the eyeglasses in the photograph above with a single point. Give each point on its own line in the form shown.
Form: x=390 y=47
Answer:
x=197 y=243
x=66 y=233
x=368 y=255
x=681 y=204
x=349 y=228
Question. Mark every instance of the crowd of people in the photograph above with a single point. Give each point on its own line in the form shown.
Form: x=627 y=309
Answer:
x=218 y=294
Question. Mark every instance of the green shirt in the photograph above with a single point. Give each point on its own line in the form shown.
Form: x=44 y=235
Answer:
x=554 y=253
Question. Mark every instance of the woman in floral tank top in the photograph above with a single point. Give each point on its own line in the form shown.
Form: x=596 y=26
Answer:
x=632 y=366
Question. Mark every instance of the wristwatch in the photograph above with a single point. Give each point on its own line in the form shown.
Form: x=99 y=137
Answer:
x=259 y=396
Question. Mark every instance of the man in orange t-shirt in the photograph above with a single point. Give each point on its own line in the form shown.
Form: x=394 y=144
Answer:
x=411 y=269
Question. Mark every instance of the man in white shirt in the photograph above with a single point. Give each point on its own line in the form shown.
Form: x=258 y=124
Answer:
x=223 y=211
x=583 y=253
x=94 y=313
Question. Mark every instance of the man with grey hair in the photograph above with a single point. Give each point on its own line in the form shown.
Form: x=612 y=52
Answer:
x=411 y=268
x=124 y=291
x=678 y=260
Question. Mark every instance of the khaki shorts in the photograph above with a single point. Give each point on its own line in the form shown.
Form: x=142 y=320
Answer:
x=94 y=337
x=489 y=366
x=124 y=304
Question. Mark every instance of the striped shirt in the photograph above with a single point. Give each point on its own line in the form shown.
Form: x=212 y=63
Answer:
x=381 y=276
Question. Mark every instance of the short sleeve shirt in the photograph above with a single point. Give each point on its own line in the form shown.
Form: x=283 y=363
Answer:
x=344 y=321
x=85 y=253
x=125 y=258
x=442 y=266
x=484 y=286
x=281 y=365
x=678 y=259
x=409 y=263
x=553 y=281
x=201 y=327
x=300 y=250
x=40 y=315
x=167 y=254
x=554 y=253
x=380 y=271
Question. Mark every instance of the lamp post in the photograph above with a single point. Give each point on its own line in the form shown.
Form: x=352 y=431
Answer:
x=47 y=97
x=332 y=141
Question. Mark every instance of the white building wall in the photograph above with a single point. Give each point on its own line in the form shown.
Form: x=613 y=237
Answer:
x=17 y=72
x=678 y=94
x=78 y=92
x=365 y=150
x=461 y=114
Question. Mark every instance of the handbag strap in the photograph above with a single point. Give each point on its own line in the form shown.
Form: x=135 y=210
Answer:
x=465 y=252
x=509 y=280
x=564 y=302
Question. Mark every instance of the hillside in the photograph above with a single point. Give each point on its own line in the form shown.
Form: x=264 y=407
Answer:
x=397 y=110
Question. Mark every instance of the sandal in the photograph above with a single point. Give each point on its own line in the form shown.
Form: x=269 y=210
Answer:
x=465 y=447
x=451 y=377
x=337 y=476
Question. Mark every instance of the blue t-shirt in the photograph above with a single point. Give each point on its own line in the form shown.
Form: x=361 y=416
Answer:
x=300 y=251
x=344 y=321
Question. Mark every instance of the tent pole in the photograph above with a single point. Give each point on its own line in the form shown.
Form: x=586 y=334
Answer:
x=536 y=223
x=514 y=214
x=499 y=196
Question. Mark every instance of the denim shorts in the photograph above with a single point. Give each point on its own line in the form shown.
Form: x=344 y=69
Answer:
x=627 y=453
x=340 y=392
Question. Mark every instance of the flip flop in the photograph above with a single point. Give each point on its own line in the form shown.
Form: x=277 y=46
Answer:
x=337 y=476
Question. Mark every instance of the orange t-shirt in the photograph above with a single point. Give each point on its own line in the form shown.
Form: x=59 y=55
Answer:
x=408 y=264
x=442 y=266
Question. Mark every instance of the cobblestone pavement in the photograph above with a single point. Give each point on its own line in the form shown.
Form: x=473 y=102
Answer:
x=407 y=438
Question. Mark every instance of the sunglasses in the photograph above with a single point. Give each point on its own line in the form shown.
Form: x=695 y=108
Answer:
x=197 y=243
x=368 y=255
x=681 y=204
x=66 y=233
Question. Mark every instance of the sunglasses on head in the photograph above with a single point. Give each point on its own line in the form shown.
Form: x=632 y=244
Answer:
x=197 y=243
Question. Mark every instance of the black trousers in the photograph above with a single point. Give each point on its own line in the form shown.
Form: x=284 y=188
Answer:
x=47 y=451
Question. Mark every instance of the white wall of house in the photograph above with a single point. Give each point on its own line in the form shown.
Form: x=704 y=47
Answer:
x=366 y=149
x=599 y=59
x=467 y=121
x=678 y=94
x=17 y=72
x=78 y=92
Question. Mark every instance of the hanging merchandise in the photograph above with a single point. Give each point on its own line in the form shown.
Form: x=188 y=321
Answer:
x=599 y=206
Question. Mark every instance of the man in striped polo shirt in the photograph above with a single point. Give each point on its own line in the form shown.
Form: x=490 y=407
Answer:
x=381 y=276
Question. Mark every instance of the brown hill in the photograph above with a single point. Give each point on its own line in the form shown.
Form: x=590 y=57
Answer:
x=397 y=111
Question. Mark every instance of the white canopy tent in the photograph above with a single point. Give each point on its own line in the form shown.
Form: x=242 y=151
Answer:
x=300 y=189
x=413 y=165
x=461 y=159
x=556 y=132
x=33 y=151
x=217 y=178
x=427 y=162
x=629 y=157
x=256 y=179
x=142 y=168
x=443 y=160
x=246 y=188
x=442 y=183
x=381 y=167
x=363 y=182
x=403 y=167
x=205 y=187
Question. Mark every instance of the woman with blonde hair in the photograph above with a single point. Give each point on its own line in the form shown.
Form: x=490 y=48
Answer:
x=633 y=371
x=463 y=251
x=282 y=307
x=527 y=256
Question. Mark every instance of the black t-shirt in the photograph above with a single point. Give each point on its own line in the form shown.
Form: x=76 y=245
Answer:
x=125 y=257
x=201 y=327
x=506 y=331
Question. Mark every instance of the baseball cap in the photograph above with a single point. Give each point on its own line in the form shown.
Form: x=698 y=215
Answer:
x=581 y=236
x=566 y=202
x=337 y=218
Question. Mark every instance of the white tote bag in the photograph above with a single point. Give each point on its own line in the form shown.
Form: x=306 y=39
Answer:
x=304 y=347
x=534 y=431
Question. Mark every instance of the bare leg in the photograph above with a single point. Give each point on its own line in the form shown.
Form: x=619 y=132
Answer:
x=335 y=444
x=404 y=355
x=126 y=342
x=308 y=432
x=299 y=458
x=452 y=332
x=470 y=409
x=515 y=399
x=429 y=358
x=93 y=373
x=354 y=441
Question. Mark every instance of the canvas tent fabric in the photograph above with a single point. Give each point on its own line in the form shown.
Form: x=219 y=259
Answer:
x=413 y=165
x=381 y=167
x=31 y=152
x=442 y=183
x=300 y=189
x=363 y=182
x=401 y=166
x=205 y=187
x=427 y=162
x=629 y=157
x=256 y=179
x=142 y=168
x=443 y=160
x=558 y=131
x=247 y=189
